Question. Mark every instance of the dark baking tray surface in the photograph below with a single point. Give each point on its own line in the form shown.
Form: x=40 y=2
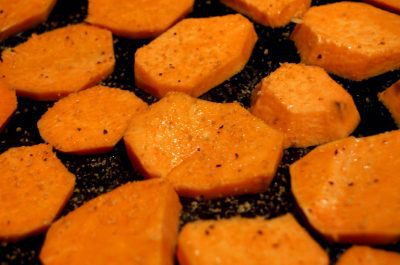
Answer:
x=98 y=174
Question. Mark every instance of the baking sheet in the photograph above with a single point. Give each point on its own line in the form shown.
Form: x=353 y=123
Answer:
x=98 y=174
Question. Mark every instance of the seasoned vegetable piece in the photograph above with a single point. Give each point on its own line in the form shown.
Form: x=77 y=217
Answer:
x=195 y=55
x=19 y=15
x=8 y=103
x=273 y=13
x=90 y=121
x=248 y=241
x=56 y=63
x=306 y=105
x=137 y=18
x=136 y=223
x=390 y=5
x=391 y=99
x=349 y=189
x=35 y=185
x=352 y=40
x=368 y=256
x=204 y=148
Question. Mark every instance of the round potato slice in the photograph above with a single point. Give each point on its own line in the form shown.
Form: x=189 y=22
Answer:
x=56 y=63
x=361 y=255
x=19 y=15
x=35 y=185
x=352 y=40
x=137 y=19
x=349 y=189
x=89 y=121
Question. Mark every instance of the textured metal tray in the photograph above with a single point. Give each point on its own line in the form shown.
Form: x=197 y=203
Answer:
x=98 y=174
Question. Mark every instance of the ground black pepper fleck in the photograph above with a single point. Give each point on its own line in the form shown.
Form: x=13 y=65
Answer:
x=98 y=174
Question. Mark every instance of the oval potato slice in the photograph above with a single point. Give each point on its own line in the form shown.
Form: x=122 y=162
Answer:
x=90 y=121
x=54 y=64
x=352 y=40
x=195 y=55
x=35 y=185
x=8 y=103
x=136 y=223
x=19 y=15
x=348 y=189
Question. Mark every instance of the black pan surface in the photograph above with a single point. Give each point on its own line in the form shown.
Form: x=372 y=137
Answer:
x=98 y=174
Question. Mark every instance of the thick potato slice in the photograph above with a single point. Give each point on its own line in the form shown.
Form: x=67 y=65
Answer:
x=137 y=18
x=352 y=40
x=8 y=103
x=195 y=55
x=273 y=13
x=349 y=189
x=19 y=15
x=56 y=63
x=390 y=5
x=136 y=223
x=359 y=255
x=391 y=99
x=90 y=121
x=35 y=185
x=306 y=105
x=248 y=241
x=204 y=148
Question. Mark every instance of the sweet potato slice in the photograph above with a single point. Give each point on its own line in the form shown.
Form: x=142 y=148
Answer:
x=306 y=105
x=348 y=189
x=8 y=103
x=359 y=255
x=195 y=55
x=35 y=185
x=136 y=223
x=352 y=40
x=390 y=5
x=19 y=15
x=204 y=148
x=248 y=241
x=90 y=121
x=271 y=13
x=56 y=63
x=137 y=18
x=391 y=99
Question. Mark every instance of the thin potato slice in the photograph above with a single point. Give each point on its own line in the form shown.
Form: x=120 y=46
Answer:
x=137 y=18
x=195 y=55
x=248 y=241
x=359 y=255
x=56 y=63
x=349 y=189
x=34 y=186
x=306 y=105
x=204 y=148
x=273 y=13
x=136 y=223
x=352 y=40
x=90 y=121
x=8 y=103
x=391 y=99
x=19 y=15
